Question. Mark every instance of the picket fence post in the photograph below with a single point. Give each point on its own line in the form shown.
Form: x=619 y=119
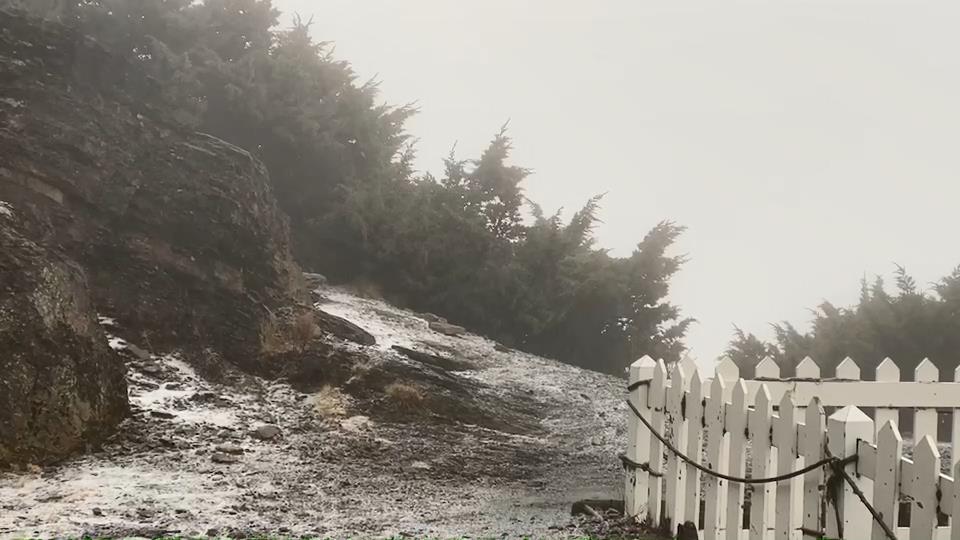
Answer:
x=812 y=436
x=676 y=468
x=657 y=404
x=845 y=512
x=694 y=410
x=886 y=480
x=955 y=448
x=887 y=371
x=713 y=416
x=760 y=496
x=785 y=439
x=636 y=490
x=926 y=472
x=736 y=420
x=955 y=530
x=925 y=418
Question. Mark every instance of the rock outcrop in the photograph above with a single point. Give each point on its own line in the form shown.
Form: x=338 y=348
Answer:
x=178 y=232
x=60 y=384
x=123 y=210
x=343 y=329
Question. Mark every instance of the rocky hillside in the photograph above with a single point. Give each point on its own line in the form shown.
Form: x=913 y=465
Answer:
x=165 y=370
x=112 y=206
x=521 y=439
x=178 y=231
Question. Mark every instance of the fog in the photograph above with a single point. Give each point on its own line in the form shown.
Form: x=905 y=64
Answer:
x=804 y=145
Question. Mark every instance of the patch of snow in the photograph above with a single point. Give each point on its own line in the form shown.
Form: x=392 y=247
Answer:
x=368 y=315
x=117 y=344
x=333 y=476
x=176 y=362
x=13 y=103
x=356 y=423
x=106 y=321
x=223 y=418
x=155 y=400
x=68 y=500
x=174 y=400
x=6 y=209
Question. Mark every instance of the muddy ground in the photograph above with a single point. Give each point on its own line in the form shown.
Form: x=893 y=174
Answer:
x=199 y=457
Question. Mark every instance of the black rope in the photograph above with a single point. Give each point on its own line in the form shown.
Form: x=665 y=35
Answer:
x=645 y=467
x=826 y=461
x=838 y=470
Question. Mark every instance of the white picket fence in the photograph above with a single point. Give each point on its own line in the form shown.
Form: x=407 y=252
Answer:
x=727 y=424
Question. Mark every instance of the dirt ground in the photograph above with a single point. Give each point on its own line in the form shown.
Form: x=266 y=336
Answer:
x=252 y=457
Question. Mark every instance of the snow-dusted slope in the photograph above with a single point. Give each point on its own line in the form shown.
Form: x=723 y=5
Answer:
x=189 y=463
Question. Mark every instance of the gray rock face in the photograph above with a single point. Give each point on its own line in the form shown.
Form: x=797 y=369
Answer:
x=174 y=233
x=60 y=385
x=178 y=232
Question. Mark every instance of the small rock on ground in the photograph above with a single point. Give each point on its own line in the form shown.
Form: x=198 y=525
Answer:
x=266 y=432
x=229 y=449
x=447 y=328
x=220 y=457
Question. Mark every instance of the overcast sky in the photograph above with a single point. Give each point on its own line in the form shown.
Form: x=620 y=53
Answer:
x=803 y=144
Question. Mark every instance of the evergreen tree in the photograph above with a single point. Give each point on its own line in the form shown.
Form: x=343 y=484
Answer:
x=340 y=163
x=907 y=326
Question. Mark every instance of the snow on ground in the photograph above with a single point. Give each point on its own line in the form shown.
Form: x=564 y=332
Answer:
x=330 y=474
x=6 y=210
x=391 y=326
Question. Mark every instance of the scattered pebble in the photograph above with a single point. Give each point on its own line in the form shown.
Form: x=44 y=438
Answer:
x=266 y=432
x=151 y=369
x=229 y=449
x=220 y=457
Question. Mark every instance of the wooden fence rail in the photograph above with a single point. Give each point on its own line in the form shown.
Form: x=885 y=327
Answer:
x=772 y=427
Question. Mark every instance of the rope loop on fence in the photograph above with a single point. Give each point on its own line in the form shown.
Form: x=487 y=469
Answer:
x=741 y=480
x=840 y=473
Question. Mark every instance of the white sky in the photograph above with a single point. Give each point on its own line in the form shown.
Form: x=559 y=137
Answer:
x=804 y=144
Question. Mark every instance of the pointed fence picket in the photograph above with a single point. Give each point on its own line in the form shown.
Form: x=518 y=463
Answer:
x=785 y=439
x=736 y=423
x=759 y=423
x=714 y=418
x=812 y=438
x=694 y=414
x=655 y=403
x=676 y=469
x=774 y=426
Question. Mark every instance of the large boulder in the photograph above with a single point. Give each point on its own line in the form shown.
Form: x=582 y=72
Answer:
x=60 y=384
x=178 y=232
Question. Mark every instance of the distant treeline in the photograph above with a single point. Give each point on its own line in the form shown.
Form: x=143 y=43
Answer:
x=907 y=326
x=456 y=245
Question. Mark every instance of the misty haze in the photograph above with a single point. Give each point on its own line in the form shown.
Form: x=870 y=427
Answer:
x=434 y=269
